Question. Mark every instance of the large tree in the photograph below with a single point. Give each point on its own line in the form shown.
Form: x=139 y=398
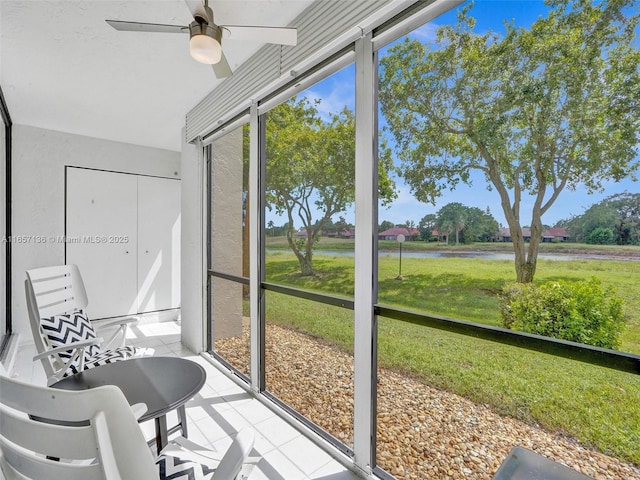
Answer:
x=452 y=218
x=535 y=110
x=627 y=206
x=597 y=216
x=470 y=224
x=385 y=225
x=310 y=171
x=619 y=213
x=426 y=225
x=480 y=226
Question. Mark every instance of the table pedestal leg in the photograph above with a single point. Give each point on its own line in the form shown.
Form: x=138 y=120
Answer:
x=161 y=432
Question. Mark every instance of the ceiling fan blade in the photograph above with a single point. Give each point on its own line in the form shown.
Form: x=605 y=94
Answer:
x=222 y=68
x=279 y=35
x=146 y=27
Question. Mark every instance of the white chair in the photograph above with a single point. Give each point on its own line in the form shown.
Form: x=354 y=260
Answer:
x=65 y=339
x=93 y=435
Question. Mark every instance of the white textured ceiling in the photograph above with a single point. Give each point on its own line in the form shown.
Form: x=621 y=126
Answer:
x=63 y=68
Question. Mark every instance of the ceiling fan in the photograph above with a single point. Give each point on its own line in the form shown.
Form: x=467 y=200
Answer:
x=205 y=43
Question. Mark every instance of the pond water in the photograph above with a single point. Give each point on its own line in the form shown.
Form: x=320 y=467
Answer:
x=483 y=255
x=447 y=254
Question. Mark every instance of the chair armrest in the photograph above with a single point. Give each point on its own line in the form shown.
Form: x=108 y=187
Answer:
x=99 y=324
x=185 y=448
x=119 y=337
x=139 y=409
x=66 y=348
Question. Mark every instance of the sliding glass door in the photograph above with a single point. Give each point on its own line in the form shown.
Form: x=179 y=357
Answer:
x=309 y=235
x=436 y=280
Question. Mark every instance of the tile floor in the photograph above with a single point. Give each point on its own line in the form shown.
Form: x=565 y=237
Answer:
x=221 y=409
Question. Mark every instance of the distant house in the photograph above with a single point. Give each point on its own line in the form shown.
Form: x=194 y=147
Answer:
x=301 y=233
x=349 y=233
x=504 y=235
x=558 y=234
x=442 y=237
x=392 y=233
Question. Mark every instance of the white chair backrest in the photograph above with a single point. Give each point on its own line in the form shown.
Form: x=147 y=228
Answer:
x=57 y=289
x=52 y=291
x=105 y=430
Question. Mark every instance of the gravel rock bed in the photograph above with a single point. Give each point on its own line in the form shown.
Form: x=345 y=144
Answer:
x=423 y=432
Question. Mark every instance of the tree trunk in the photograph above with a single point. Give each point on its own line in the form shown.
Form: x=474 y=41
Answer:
x=525 y=271
x=525 y=259
x=306 y=262
x=305 y=259
x=532 y=255
x=305 y=267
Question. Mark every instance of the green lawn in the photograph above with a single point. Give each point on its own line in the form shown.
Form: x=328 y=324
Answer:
x=462 y=288
x=598 y=406
x=280 y=243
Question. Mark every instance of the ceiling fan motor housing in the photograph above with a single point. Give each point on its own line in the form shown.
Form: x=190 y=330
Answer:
x=213 y=30
x=205 y=42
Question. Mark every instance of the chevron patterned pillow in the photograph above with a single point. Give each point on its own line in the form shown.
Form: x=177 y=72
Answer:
x=62 y=330
x=175 y=468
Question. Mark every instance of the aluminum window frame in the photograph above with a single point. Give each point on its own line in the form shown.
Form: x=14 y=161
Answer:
x=363 y=51
x=7 y=327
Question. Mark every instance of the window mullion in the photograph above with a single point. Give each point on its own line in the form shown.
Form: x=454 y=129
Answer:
x=256 y=236
x=365 y=244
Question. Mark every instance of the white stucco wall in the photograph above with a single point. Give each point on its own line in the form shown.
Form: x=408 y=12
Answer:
x=39 y=160
x=227 y=233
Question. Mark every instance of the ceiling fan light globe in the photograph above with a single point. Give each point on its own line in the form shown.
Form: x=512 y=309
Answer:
x=205 y=49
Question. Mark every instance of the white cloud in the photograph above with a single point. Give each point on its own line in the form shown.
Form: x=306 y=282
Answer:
x=425 y=33
x=333 y=102
x=334 y=92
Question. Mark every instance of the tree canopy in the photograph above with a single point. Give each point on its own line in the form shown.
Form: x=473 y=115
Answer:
x=385 y=225
x=469 y=224
x=452 y=218
x=618 y=214
x=426 y=225
x=310 y=171
x=536 y=110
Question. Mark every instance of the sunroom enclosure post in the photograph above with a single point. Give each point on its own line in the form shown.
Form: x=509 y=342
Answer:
x=256 y=237
x=365 y=288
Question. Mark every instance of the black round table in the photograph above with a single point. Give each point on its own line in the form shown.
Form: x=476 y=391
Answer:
x=161 y=383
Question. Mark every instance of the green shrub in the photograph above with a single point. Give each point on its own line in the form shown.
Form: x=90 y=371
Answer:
x=580 y=311
x=601 y=236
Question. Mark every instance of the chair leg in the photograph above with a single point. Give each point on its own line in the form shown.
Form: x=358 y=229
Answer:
x=182 y=420
x=162 y=437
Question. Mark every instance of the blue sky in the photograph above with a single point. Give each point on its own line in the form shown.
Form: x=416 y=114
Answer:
x=339 y=90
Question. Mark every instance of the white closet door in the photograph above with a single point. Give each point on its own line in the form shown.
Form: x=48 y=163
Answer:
x=158 y=244
x=102 y=238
